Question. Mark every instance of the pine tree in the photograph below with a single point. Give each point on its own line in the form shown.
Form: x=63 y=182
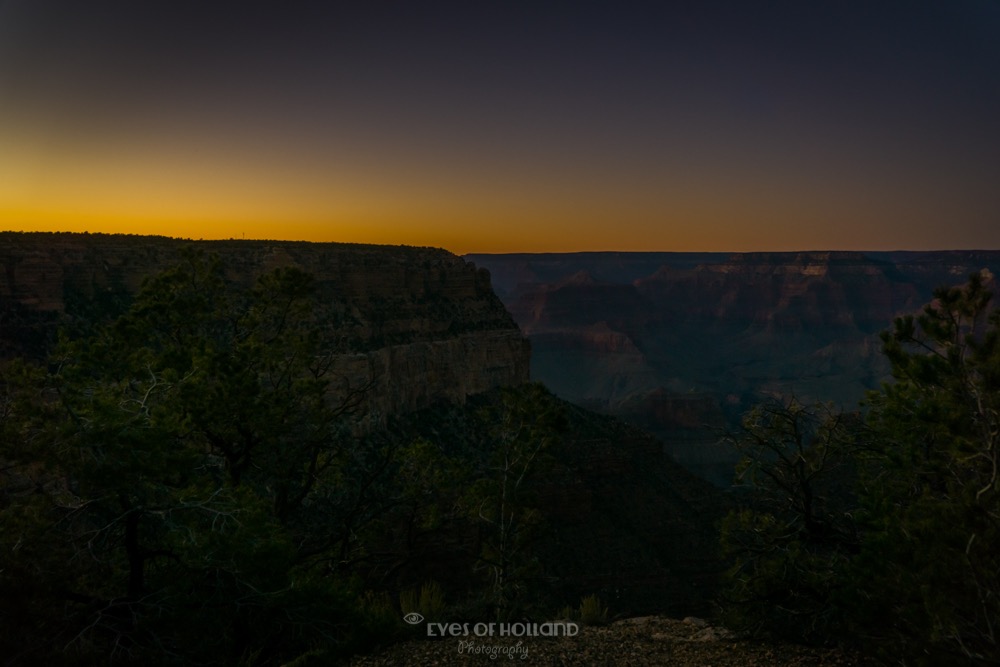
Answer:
x=929 y=575
x=180 y=460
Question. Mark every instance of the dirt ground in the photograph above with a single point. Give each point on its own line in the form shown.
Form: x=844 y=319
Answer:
x=648 y=640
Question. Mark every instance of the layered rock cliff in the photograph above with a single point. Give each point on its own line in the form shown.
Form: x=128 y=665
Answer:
x=415 y=325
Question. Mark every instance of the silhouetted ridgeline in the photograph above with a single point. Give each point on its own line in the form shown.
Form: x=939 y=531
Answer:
x=419 y=323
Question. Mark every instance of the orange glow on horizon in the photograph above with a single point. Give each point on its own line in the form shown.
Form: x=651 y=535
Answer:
x=224 y=197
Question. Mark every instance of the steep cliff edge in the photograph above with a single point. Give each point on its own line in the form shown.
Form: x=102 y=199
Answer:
x=416 y=325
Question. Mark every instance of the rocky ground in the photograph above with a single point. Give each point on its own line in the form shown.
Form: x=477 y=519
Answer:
x=648 y=640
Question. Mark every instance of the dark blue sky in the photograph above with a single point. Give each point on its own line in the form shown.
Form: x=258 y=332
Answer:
x=703 y=125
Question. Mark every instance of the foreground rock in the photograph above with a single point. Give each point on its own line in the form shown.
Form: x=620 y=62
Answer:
x=646 y=640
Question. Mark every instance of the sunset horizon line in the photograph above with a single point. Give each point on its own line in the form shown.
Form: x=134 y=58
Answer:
x=581 y=251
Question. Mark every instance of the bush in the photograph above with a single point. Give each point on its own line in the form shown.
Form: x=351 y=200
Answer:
x=428 y=601
x=592 y=612
x=794 y=532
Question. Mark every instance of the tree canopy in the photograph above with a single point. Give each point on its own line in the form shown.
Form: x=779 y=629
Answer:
x=172 y=466
x=909 y=563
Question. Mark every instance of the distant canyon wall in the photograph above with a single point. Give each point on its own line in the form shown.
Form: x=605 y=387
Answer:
x=415 y=325
x=681 y=343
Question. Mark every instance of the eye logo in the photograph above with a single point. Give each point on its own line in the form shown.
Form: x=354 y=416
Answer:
x=413 y=618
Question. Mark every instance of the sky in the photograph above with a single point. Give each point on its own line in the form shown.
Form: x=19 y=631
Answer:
x=697 y=125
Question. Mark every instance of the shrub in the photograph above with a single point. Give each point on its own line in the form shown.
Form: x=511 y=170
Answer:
x=428 y=601
x=592 y=612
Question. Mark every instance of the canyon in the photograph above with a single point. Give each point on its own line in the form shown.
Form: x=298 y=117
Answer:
x=676 y=344
x=682 y=344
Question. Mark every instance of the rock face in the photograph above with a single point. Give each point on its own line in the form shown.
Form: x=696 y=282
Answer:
x=677 y=341
x=417 y=325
